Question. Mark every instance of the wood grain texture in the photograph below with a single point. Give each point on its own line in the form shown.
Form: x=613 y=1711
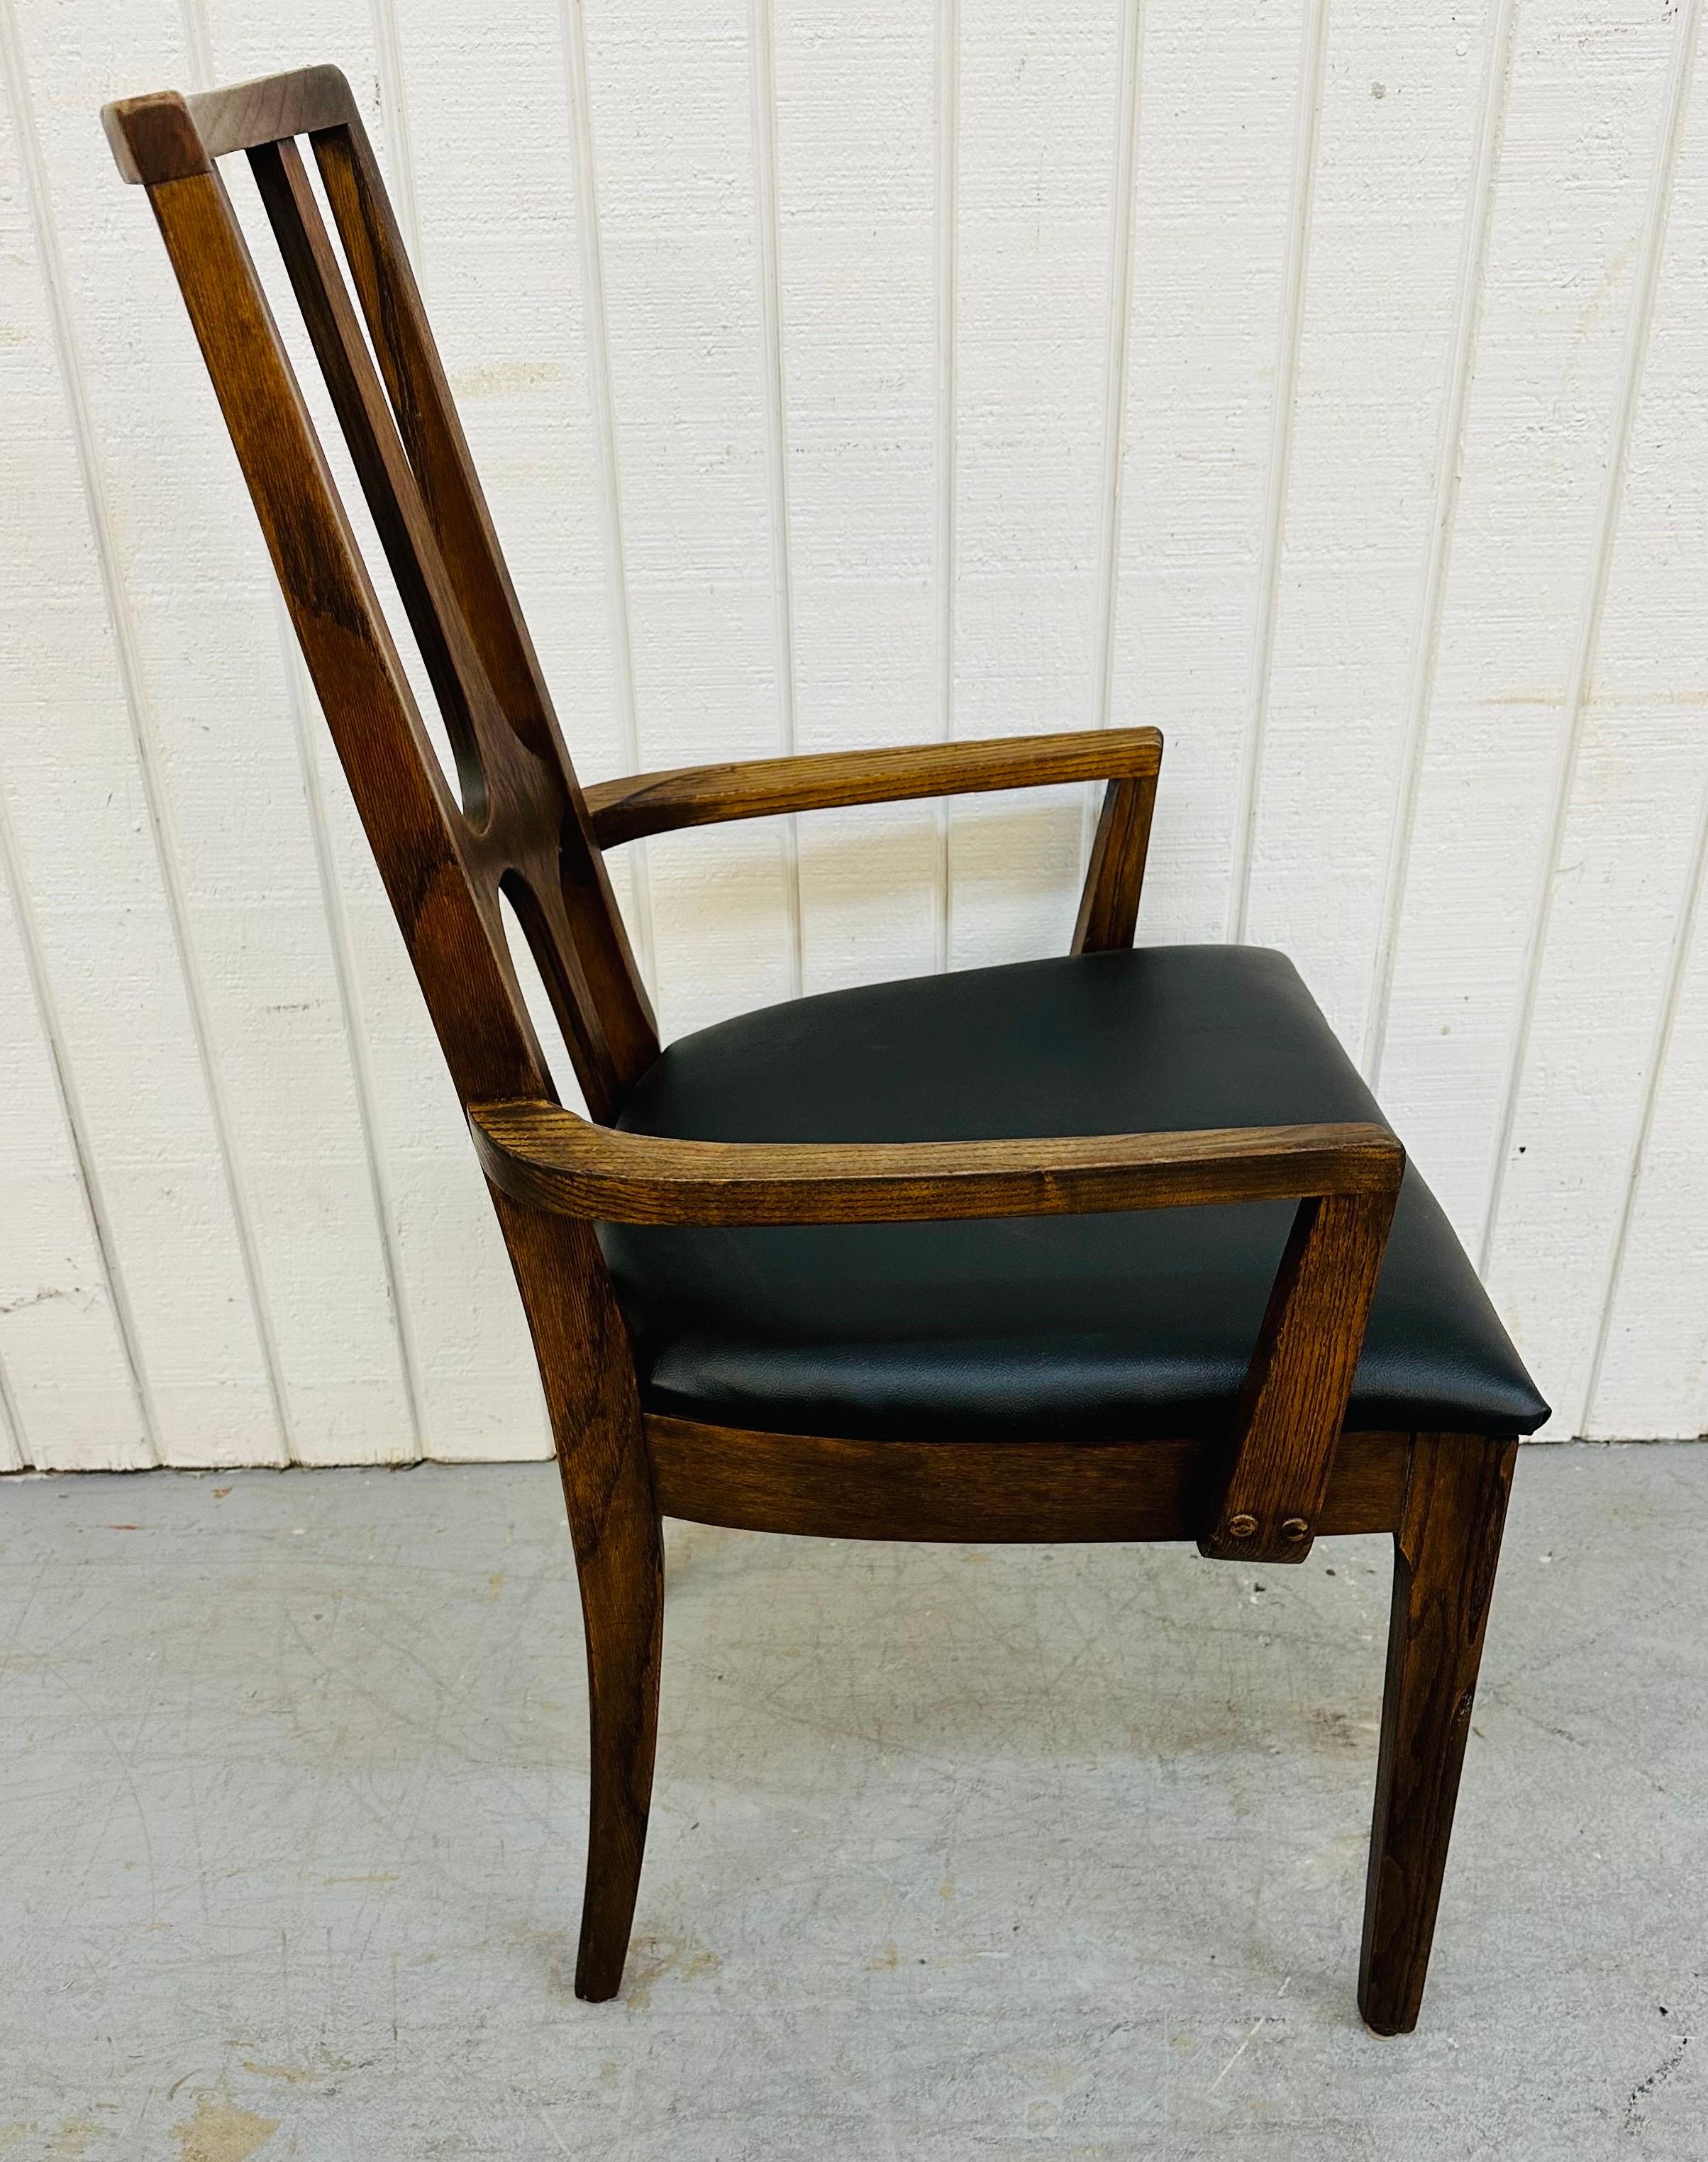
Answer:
x=1300 y=1379
x=589 y=1372
x=1115 y=875
x=522 y=836
x=521 y=828
x=162 y=139
x=1400 y=280
x=545 y=1157
x=1446 y=1552
x=477 y=1400
x=465 y=694
x=989 y=1492
x=590 y=971
x=761 y=788
x=1277 y=1468
x=494 y=206
x=392 y=772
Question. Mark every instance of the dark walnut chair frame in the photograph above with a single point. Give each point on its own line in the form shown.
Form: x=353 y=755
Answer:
x=525 y=830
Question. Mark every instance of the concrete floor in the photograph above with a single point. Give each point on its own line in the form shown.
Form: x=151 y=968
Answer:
x=956 y=1852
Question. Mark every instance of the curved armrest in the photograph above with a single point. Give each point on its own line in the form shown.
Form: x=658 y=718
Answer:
x=761 y=788
x=1346 y=1178
x=546 y=1157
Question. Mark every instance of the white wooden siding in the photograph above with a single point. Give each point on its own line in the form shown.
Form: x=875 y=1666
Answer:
x=1318 y=379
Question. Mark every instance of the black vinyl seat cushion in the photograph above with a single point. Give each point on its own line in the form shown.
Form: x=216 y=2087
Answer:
x=1089 y=1328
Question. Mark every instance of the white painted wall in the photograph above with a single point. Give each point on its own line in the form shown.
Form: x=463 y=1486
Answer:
x=1321 y=379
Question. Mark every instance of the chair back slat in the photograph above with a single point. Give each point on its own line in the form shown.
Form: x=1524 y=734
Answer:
x=465 y=696
x=426 y=417
x=438 y=451
x=521 y=828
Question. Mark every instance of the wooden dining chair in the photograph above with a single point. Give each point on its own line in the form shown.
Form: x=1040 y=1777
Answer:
x=1111 y=1247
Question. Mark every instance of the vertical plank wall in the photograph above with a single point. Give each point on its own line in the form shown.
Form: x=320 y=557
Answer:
x=1316 y=379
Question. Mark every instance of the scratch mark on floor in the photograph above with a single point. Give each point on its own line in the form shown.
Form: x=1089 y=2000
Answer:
x=291 y=2074
x=557 y=2136
x=1236 y=2056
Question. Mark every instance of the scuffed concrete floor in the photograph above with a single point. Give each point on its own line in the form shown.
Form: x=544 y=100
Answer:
x=956 y=1852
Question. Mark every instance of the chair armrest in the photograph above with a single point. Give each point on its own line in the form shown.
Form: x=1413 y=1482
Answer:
x=546 y=1157
x=1345 y=1177
x=761 y=788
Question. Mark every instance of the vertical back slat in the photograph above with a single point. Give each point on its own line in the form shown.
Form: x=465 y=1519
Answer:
x=382 y=466
x=455 y=945
x=427 y=417
x=438 y=451
x=523 y=824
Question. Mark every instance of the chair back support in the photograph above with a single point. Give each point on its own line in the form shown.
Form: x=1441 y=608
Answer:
x=520 y=829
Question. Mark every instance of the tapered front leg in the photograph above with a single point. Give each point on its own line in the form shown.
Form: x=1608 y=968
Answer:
x=622 y=1594
x=1446 y=1551
x=587 y=1366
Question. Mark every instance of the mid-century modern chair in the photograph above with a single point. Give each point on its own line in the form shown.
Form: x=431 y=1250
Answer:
x=1112 y=1246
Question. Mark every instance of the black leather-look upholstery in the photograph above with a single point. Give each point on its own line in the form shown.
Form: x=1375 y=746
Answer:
x=1082 y=1327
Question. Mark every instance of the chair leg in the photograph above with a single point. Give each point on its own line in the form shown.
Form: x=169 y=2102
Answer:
x=587 y=1366
x=622 y=1594
x=1445 y=1555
